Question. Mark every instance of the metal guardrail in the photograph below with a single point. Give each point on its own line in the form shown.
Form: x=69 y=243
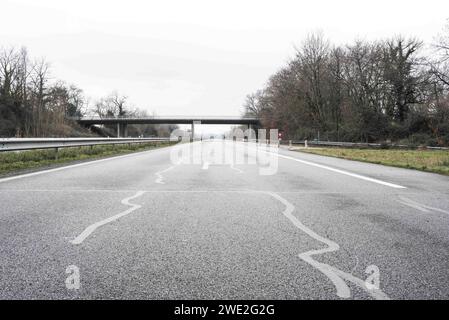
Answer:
x=358 y=145
x=20 y=144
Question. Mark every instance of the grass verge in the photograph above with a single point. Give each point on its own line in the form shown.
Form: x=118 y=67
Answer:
x=424 y=160
x=12 y=162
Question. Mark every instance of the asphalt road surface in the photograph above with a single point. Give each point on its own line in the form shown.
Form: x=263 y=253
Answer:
x=145 y=226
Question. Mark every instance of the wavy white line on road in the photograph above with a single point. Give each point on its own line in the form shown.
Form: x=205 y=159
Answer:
x=88 y=231
x=337 y=276
x=419 y=206
x=160 y=177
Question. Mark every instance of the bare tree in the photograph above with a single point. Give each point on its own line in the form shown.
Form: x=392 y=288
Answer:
x=253 y=105
x=118 y=102
x=9 y=66
x=114 y=105
x=311 y=63
x=400 y=63
x=39 y=80
x=440 y=65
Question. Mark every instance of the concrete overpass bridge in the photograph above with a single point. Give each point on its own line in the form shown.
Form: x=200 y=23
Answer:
x=123 y=122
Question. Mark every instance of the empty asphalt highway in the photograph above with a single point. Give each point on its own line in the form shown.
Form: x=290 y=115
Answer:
x=279 y=225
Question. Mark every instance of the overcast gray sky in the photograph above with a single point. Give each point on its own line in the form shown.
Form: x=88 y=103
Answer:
x=195 y=57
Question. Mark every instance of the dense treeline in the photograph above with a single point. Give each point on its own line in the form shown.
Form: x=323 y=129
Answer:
x=366 y=91
x=32 y=104
x=29 y=106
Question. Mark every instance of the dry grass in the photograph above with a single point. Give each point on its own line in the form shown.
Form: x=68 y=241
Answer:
x=424 y=160
x=11 y=162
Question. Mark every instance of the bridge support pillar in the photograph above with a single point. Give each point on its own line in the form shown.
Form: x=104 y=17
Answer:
x=122 y=130
x=252 y=133
x=192 y=138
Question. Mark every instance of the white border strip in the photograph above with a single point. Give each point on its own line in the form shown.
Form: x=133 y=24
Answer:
x=26 y=175
x=354 y=175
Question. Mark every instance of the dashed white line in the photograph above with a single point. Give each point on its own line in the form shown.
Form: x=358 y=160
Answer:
x=335 y=275
x=88 y=231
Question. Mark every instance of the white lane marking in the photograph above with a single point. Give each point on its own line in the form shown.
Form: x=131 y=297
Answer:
x=77 y=165
x=160 y=177
x=335 y=275
x=419 y=206
x=205 y=165
x=88 y=231
x=354 y=175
